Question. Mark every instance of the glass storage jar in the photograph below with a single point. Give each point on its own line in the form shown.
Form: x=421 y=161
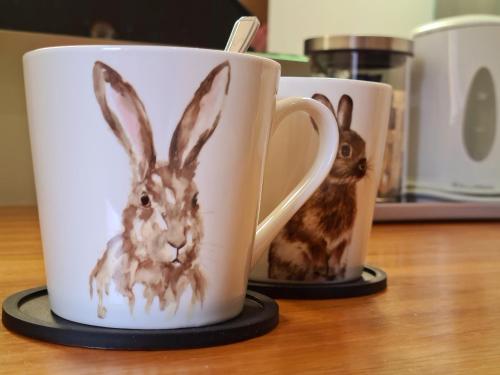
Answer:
x=377 y=59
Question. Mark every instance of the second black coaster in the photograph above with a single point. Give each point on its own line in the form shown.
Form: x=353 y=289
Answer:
x=372 y=280
x=28 y=313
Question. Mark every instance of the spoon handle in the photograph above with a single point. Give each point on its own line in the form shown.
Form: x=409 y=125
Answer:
x=243 y=32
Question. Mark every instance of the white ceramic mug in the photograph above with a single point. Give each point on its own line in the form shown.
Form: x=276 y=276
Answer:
x=148 y=168
x=326 y=240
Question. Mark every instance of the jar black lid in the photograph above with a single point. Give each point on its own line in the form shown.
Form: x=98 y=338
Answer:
x=357 y=43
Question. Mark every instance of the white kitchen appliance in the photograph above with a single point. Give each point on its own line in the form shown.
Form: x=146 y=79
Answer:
x=454 y=140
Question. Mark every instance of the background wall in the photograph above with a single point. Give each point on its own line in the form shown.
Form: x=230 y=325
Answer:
x=16 y=172
x=448 y=8
x=292 y=21
x=289 y=21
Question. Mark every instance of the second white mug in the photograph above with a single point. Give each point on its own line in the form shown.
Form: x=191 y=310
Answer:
x=326 y=240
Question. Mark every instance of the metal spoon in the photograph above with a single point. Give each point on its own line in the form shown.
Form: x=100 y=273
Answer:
x=243 y=32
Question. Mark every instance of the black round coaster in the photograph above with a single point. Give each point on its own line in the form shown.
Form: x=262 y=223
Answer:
x=28 y=313
x=372 y=280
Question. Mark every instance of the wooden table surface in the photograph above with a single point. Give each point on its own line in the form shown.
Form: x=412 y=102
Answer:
x=440 y=314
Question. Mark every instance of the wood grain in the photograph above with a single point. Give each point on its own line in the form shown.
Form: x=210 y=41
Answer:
x=440 y=314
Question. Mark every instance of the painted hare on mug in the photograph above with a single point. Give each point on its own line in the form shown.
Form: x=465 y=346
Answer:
x=312 y=245
x=159 y=245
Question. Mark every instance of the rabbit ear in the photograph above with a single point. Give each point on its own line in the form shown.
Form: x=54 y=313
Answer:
x=325 y=101
x=345 y=112
x=126 y=116
x=200 y=119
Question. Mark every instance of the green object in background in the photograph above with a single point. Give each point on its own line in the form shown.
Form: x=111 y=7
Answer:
x=282 y=56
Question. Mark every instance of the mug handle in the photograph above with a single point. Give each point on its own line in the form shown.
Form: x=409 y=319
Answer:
x=328 y=133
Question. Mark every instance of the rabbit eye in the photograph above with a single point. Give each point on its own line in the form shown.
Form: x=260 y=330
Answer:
x=145 y=201
x=194 y=201
x=345 y=150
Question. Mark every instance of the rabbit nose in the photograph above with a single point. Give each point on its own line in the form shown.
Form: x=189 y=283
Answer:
x=175 y=235
x=177 y=245
x=362 y=165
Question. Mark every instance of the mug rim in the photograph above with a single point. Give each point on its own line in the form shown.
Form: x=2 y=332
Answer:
x=130 y=47
x=353 y=82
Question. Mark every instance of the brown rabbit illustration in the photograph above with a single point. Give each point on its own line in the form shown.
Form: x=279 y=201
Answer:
x=311 y=247
x=162 y=226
